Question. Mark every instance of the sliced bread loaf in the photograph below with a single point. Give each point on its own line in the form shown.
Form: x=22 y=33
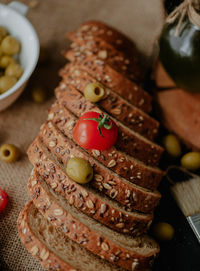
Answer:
x=55 y=251
x=128 y=141
x=119 y=162
x=116 y=187
x=122 y=250
x=84 y=197
x=114 y=104
x=101 y=30
x=108 y=53
x=113 y=80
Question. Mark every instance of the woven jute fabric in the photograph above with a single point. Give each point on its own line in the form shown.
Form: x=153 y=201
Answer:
x=19 y=124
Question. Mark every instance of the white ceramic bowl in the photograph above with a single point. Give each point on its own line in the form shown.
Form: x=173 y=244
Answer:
x=12 y=17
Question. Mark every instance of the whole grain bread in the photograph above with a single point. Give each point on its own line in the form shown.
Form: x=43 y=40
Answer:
x=114 y=104
x=53 y=249
x=96 y=220
x=112 y=79
x=85 y=198
x=108 y=53
x=101 y=30
x=128 y=141
x=116 y=187
x=119 y=162
x=89 y=233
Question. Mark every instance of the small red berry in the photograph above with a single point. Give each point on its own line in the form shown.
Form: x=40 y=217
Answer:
x=3 y=200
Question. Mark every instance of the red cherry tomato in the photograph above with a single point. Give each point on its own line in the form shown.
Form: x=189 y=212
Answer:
x=95 y=131
x=3 y=200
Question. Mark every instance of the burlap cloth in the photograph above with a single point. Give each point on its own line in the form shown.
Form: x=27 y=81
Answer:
x=140 y=19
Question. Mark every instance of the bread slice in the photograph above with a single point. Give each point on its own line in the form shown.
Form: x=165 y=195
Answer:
x=119 y=162
x=108 y=53
x=114 y=104
x=112 y=79
x=128 y=141
x=54 y=250
x=109 y=34
x=84 y=197
x=116 y=187
x=89 y=233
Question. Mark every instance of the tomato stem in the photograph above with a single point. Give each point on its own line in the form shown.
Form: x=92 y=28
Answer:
x=102 y=122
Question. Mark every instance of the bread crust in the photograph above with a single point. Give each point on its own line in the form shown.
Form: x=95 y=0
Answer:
x=108 y=53
x=112 y=79
x=116 y=160
x=36 y=248
x=83 y=199
x=116 y=106
x=82 y=234
x=131 y=196
x=127 y=140
x=101 y=30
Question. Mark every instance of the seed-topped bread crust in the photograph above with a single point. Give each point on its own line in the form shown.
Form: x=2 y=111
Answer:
x=84 y=198
x=121 y=163
x=83 y=230
x=116 y=187
x=105 y=32
x=114 y=104
x=108 y=53
x=112 y=79
x=127 y=140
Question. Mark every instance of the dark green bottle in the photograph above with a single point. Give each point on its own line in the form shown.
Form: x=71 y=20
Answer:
x=180 y=54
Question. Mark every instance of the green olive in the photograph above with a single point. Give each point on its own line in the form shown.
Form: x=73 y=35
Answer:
x=14 y=69
x=9 y=153
x=39 y=94
x=191 y=160
x=10 y=46
x=94 y=92
x=79 y=170
x=163 y=231
x=6 y=82
x=6 y=60
x=172 y=145
x=3 y=33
